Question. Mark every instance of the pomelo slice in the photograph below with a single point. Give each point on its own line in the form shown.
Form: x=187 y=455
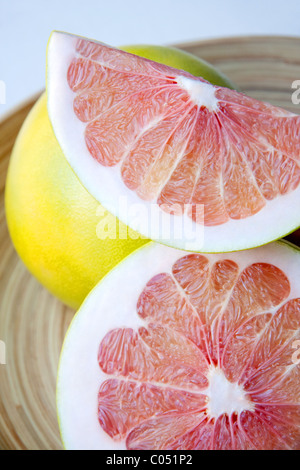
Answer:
x=183 y=162
x=46 y=204
x=186 y=351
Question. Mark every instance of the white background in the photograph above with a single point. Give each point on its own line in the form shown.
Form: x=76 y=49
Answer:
x=25 y=26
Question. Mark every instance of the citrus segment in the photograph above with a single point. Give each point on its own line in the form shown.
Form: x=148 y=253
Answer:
x=171 y=138
x=196 y=353
x=133 y=355
x=160 y=432
x=161 y=302
x=141 y=401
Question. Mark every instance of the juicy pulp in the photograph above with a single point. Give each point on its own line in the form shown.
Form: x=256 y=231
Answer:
x=182 y=328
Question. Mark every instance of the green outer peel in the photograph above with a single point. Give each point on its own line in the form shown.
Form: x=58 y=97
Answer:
x=183 y=60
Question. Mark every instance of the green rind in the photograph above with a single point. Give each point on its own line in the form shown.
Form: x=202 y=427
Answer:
x=180 y=59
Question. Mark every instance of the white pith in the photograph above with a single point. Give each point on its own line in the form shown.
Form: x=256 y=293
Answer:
x=224 y=396
x=278 y=217
x=79 y=376
x=202 y=94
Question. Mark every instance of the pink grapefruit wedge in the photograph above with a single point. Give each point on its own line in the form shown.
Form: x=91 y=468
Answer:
x=186 y=351
x=179 y=160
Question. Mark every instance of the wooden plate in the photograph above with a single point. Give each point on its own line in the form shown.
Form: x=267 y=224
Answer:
x=32 y=322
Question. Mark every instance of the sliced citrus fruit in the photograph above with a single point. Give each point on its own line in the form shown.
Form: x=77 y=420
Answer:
x=196 y=351
x=47 y=205
x=179 y=160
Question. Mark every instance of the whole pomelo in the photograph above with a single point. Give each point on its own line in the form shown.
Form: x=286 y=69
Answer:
x=64 y=237
x=182 y=60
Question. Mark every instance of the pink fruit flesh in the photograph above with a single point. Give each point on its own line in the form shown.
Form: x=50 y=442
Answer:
x=231 y=158
x=205 y=317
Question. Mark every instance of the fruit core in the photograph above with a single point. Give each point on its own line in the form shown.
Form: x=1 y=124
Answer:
x=225 y=397
x=201 y=93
